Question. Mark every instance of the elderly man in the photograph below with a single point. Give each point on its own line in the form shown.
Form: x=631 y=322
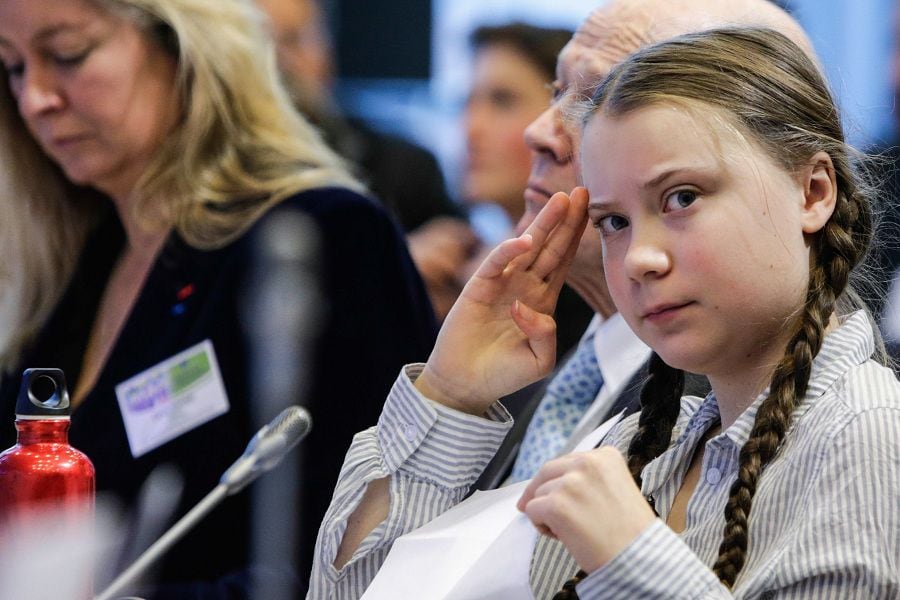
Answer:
x=431 y=443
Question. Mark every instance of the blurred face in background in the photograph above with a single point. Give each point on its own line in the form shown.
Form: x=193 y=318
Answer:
x=303 y=48
x=508 y=92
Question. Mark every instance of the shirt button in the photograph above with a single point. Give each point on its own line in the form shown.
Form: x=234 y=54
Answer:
x=713 y=476
x=409 y=431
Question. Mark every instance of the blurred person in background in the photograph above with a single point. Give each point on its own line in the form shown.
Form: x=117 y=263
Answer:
x=513 y=68
x=145 y=146
x=886 y=296
x=514 y=65
x=403 y=175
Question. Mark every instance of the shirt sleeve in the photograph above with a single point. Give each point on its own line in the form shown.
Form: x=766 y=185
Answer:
x=657 y=564
x=846 y=546
x=432 y=453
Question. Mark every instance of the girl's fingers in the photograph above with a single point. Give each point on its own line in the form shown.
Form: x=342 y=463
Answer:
x=553 y=507
x=558 y=251
x=500 y=257
x=548 y=243
x=541 y=332
x=552 y=469
x=544 y=224
x=558 y=276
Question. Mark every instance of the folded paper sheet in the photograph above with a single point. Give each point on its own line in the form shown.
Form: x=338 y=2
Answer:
x=480 y=548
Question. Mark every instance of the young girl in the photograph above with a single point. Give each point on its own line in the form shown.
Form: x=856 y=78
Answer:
x=731 y=220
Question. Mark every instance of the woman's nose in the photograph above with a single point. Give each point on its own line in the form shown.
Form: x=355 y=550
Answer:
x=37 y=93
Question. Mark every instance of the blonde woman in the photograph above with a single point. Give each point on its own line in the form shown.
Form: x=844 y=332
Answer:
x=143 y=144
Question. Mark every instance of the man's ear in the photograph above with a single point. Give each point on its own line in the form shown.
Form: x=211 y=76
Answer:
x=819 y=192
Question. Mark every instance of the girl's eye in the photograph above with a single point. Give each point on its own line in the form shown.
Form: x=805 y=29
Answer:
x=680 y=199
x=611 y=223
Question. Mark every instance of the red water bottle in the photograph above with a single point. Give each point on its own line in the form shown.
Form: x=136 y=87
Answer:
x=42 y=472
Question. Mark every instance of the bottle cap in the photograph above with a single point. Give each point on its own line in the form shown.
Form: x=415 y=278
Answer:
x=43 y=394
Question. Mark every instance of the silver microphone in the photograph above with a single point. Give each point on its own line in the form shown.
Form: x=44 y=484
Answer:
x=267 y=448
x=264 y=451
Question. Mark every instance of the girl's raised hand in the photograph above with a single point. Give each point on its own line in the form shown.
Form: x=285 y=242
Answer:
x=589 y=501
x=500 y=335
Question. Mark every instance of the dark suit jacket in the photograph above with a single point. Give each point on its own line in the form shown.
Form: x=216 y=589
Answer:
x=403 y=175
x=629 y=400
x=375 y=314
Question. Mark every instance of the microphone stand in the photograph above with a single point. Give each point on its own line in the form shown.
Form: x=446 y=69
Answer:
x=162 y=545
x=264 y=451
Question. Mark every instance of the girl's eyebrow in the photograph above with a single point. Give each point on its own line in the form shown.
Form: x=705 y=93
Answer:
x=655 y=181
x=601 y=204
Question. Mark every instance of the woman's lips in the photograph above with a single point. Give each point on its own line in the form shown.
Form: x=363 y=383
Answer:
x=65 y=141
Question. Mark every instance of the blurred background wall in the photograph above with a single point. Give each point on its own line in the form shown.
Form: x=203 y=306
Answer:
x=404 y=64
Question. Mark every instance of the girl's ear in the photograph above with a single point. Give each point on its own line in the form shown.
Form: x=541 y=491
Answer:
x=819 y=192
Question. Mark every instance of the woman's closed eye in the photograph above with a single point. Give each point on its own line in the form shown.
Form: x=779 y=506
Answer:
x=14 y=69
x=70 y=59
x=64 y=60
x=680 y=199
x=13 y=65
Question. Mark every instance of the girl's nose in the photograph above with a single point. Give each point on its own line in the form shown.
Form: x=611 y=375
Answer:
x=647 y=257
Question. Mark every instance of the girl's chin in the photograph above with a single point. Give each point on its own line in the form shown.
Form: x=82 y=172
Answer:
x=684 y=359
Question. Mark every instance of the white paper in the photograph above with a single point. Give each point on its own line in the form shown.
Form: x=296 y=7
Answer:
x=479 y=549
x=591 y=440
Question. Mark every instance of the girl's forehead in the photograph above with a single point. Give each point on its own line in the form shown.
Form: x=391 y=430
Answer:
x=685 y=120
x=635 y=147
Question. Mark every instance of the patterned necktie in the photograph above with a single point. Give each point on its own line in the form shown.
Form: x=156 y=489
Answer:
x=568 y=397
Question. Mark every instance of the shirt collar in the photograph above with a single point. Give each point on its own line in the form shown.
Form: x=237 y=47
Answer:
x=849 y=345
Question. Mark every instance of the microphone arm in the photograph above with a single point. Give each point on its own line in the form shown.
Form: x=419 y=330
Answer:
x=264 y=451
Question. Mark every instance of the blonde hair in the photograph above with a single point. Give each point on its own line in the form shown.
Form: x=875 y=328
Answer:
x=239 y=148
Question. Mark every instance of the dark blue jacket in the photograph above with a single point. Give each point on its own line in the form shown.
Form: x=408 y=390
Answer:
x=377 y=317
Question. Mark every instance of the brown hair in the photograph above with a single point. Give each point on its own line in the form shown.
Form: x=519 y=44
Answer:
x=539 y=45
x=777 y=97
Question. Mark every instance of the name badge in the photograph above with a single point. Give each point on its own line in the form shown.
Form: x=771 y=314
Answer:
x=171 y=398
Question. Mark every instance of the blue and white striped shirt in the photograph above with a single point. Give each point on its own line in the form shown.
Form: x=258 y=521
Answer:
x=825 y=520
